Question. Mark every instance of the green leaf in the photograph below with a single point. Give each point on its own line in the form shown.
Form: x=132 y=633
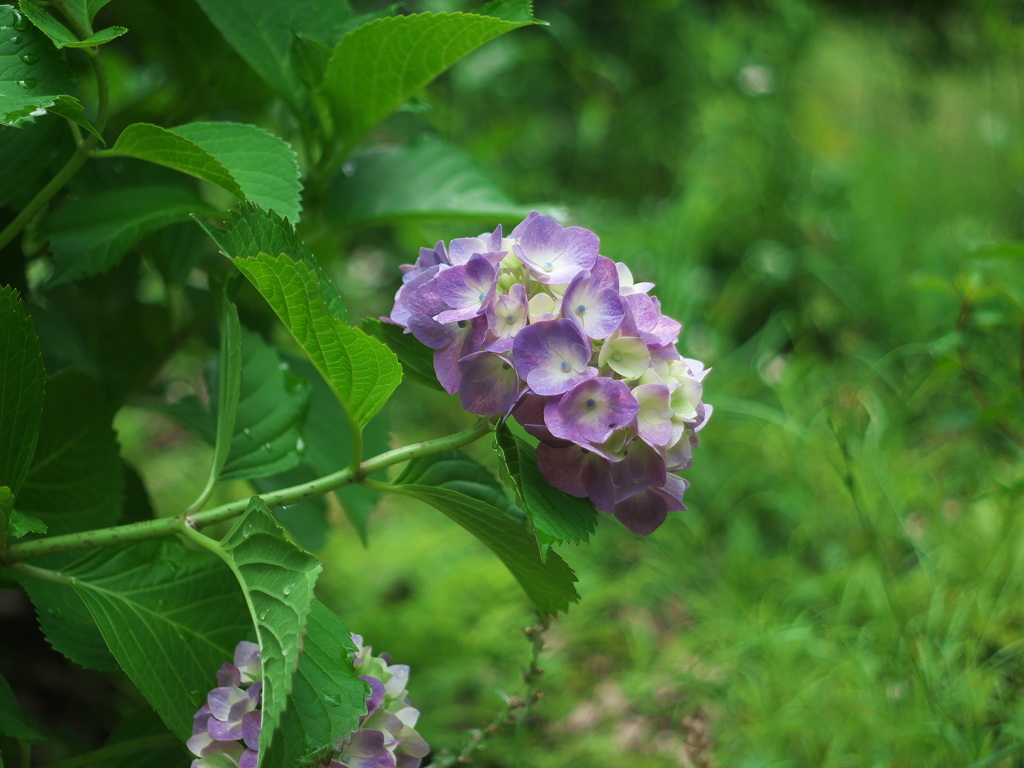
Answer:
x=34 y=78
x=75 y=482
x=19 y=524
x=264 y=166
x=427 y=179
x=25 y=157
x=271 y=410
x=171 y=617
x=60 y=34
x=277 y=579
x=556 y=517
x=154 y=144
x=263 y=34
x=465 y=492
x=90 y=235
x=12 y=722
x=66 y=623
x=253 y=231
x=83 y=12
x=360 y=370
x=21 y=396
x=327 y=697
x=141 y=723
x=377 y=67
x=416 y=358
x=228 y=390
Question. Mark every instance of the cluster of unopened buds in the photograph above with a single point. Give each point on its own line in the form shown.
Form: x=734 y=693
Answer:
x=539 y=326
x=226 y=729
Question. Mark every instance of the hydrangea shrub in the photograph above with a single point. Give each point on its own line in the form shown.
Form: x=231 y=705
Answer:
x=541 y=327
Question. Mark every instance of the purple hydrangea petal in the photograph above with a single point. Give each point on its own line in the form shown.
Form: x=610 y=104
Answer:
x=506 y=316
x=556 y=254
x=593 y=303
x=254 y=691
x=199 y=720
x=424 y=304
x=373 y=701
x=248 y=759
x=591 y=411
x=401 y=311
x=247 y=659
x=521 y=226
x=468 y=289
x=368 y=749
x=462 y=249
x=578 y=472
x=552 y=357
x=490 y=385
x=641 y=467
x=228 y=676
x=221 y=731
x=252 y=723
x=408 y=761
x=529 y=413
x=229 y=704
x=644 y=319
x=644 y=511
x=467 y=336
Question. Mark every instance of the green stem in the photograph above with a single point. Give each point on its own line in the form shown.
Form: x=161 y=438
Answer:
x=25 y=747
x=98 y=756
x=166 y=526
x=41 y=573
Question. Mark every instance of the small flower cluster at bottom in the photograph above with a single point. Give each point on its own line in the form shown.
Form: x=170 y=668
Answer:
x=226 y=729
x=541 y=327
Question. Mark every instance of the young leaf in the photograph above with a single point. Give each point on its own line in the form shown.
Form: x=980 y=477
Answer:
x=171 y=617
x=253 y=231
x=264 y=166
x=556 y=516
x=34 y=78
x=163 y=147
x=21 y=396
x=60 y=34
x=417 y=359
x=466 y=493
x=379 y=65
x=327 y=697
x=277 y=579
x=90 y=235
x=425 y=179
x=18 y=524
x=12 y=722
x=65 y=621
x=75 y=482
x=360 y=370
x=228 y=391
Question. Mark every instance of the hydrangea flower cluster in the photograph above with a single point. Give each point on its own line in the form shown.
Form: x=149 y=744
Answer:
x=226 y=729
x=540 y=327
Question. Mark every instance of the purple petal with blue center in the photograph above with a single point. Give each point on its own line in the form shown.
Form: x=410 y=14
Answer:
x=578 y=472
x=552 y=357
x=490 y=384
x=592 y=302
x=376 y=696
x=506 y=316
x=556 y=254
x=591 y=411
x=467 y=289
x=466 y=337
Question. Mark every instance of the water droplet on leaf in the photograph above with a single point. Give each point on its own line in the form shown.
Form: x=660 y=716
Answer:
x=28 y=58
x=300 y=445
x=16 y=39
x=20 y=22
x=332 y=699
x=247 y=432
x=28 y=83
x=268 y=447
x=288 y=589
x=263 y=615
x=348 y=168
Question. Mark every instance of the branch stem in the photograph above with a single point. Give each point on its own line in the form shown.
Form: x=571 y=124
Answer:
x=167 y=526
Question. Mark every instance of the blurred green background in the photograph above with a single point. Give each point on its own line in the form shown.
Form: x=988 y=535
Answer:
x=828 y=195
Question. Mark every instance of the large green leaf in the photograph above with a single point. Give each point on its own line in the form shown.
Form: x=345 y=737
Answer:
x=466 y=493
x=378 y=66
x=427 y=179
x=327 y=697
x=417 y=359
x=154 y=144
x=66 y=623
x=556 y=516
x=21 y=390
x=170 y=615
x=263 y=33
x=62 y=36
x=277 y=579
x=90 y=235
x=25 y=157
x=12 y=722
x=76 y=481
x=34 y=78
x=228 y=390
x=272 y=405
x=360 y=370
x=253 y=231
x=264 y=165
